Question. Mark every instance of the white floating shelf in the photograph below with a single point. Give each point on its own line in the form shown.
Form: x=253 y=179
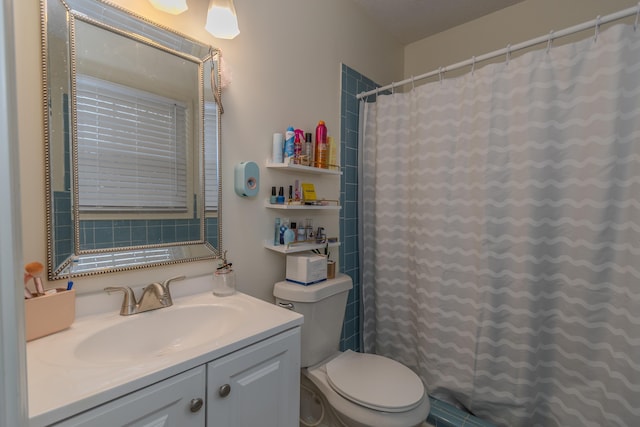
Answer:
x=285 y=206
x=302 y=169
x=293 y=248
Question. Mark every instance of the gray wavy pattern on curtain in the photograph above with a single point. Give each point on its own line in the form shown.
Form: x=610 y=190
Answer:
x=502 y=235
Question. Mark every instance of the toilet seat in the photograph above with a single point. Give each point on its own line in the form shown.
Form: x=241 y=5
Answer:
x=375 y=382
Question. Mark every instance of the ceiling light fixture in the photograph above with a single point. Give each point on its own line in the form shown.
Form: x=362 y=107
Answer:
x=174 y=7
x=222 y=21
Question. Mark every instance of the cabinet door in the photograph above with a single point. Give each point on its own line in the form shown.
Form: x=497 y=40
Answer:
x=256 y=386
x=165 y=404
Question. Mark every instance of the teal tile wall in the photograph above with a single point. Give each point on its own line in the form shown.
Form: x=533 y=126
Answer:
x=109 y=234
x=63 y=231
x=121 y=233
x=353 y=83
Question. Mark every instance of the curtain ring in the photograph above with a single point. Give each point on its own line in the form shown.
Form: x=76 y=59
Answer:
x=440 y=74
x=393 y=88
x=549 y=41
x=595 y=37
x=413 y=83
x=473 y=64
x=635 y=24
x=508 y=53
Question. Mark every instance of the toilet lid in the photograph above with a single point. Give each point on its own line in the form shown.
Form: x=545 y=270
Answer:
x=375 y=382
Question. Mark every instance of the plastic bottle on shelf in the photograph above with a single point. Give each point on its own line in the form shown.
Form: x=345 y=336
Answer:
x=278 y=147
x=302 y=233
x=289 y=150
x=332 y=156
x=321 y=145
x=308 y=148
x=284 y=227
x=297 y=145
x=276 y=237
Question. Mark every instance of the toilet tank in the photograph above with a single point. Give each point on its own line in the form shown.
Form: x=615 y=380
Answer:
x=322 y=305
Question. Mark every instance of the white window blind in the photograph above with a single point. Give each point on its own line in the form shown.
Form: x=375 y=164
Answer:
x=131 y=148
x=211 y=156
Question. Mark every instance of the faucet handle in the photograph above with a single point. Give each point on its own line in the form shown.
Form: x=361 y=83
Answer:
x=165 y=286
x=167 y=282
x=129 y=301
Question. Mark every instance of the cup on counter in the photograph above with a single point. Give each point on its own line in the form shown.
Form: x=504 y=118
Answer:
x=224 y=282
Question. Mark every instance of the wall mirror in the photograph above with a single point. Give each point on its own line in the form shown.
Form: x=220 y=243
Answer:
x=132 y=141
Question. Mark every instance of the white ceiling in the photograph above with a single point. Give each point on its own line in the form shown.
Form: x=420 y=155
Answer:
x=412 y=20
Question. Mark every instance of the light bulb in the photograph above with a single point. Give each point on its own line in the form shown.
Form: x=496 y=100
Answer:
x=222 y=21
x=174 y=7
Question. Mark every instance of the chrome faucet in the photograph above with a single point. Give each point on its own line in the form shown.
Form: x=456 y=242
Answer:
x=154 y=296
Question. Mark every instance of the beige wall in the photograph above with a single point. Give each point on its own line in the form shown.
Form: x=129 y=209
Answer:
x=285 y=71
x=515 y=24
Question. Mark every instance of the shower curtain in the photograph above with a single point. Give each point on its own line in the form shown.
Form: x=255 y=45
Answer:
x=500 y=225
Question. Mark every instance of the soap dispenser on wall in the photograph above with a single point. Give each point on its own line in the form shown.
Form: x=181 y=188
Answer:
x=247 y=177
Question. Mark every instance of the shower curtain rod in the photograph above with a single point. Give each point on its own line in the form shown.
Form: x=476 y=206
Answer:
x=595 y=23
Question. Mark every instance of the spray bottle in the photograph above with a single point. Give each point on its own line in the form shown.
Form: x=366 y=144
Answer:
x=308 y=149
x=321 y=145
x=289 y=150
x=297 y=145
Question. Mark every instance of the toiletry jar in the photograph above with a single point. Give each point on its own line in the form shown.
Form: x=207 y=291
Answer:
x=47 y=314
x=306 y=269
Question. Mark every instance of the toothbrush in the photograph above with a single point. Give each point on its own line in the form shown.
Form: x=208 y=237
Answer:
x=27 y=292
x=69 y=271
x=34 y=269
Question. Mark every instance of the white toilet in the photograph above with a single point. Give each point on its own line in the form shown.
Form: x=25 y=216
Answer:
x=363 y=390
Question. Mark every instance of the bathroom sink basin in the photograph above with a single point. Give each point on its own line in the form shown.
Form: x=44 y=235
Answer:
x=157 y=333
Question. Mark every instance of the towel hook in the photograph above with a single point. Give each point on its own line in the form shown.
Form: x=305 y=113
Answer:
x=595 y=37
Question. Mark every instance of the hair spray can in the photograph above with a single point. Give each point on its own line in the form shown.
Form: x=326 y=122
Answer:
x=321 y=145
x=289 y=150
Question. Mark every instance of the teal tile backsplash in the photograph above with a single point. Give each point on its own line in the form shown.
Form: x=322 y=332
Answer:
x=353 y=83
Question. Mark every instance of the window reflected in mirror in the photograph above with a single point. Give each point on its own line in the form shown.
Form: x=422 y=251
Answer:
x=132 y=136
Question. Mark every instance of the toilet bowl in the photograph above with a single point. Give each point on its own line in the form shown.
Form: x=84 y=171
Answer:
x=362 y=390
x=367 y=390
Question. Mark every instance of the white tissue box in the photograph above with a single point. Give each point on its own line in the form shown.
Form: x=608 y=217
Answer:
x=306 y=269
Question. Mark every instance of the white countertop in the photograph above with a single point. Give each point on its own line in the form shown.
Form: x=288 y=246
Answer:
x=62 y=384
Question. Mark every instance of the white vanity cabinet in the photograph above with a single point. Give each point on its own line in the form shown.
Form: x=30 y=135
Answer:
x=254 y=386
x=174 y=402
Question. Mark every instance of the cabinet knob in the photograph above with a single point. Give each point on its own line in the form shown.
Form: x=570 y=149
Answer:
x=224 y=390
x=196 y=405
